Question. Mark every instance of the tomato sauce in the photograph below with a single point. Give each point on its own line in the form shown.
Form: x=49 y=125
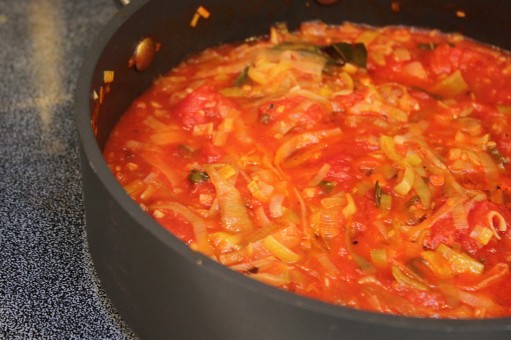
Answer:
x=364 y=167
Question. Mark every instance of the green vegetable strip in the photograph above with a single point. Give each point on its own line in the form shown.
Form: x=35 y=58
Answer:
x=377 y=194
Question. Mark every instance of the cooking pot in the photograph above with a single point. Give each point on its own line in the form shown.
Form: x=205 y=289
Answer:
x=162 y=288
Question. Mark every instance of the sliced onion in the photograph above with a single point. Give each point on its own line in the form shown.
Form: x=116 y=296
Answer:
x=497 y=273
x=134 y=187
x=481 y=234
x=437 y=263
x=214 y=209
x=450 y=86
x=415 y=69
x=445 y=209
x=379 y=257
x=277 y=280
x=490 y=168
x=259 y=234
x=501 y=224
x=301 y=141
x=233 y=213
x=198 y=224
x=261 y=217
x=260 y=190
x=330 y=219
x=155 y=159
x=434 y=164
x=460 y=262
x=225 y=242
x=422 y=190
x=335 y=201
x=391 y=303
x=265 y=261
x=155 y=124
x=348 y=83
x=460 y=217
x=477 y=301
x=279 y=250
x=407 y=182
x=350 y=209
x=308 y=94
x=303 y=214
x=388 y=147
x=276 y=209
x=327 y=264
x=407 y=278
x=233 y=257
x=320 y=175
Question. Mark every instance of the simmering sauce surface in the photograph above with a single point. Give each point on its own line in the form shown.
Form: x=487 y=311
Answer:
x=365 y=167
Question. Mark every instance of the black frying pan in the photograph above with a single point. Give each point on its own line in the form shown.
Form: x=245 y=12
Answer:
x=160 y=287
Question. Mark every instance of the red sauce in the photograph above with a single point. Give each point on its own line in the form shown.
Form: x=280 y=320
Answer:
x=376 y=177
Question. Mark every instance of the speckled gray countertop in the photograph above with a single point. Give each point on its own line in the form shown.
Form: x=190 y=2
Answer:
x=48 y=287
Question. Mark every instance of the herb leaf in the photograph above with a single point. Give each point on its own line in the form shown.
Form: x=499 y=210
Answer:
x=242 y=78
x=197 y=176
x=342 y=53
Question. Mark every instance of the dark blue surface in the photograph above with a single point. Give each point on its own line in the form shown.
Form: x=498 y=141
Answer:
x=48 y=287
